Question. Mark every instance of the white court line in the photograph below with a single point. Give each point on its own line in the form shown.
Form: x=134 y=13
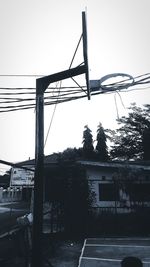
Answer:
x=120 y=238
x=126 y=246
x=103 y=259
x=82 y=252
x=99 y=259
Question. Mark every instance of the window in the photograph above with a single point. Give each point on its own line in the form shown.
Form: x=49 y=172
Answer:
x=108 y=192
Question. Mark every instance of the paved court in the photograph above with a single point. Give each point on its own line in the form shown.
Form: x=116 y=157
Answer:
x=106 y=252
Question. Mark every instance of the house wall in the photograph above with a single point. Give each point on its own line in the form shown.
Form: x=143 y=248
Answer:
x=96 y=178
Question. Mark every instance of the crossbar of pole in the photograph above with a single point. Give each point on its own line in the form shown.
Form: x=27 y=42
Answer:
x=43 y=83
x=41 y=86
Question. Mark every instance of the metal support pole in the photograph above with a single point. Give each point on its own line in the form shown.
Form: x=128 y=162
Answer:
x=41 y=86
x=38 y=182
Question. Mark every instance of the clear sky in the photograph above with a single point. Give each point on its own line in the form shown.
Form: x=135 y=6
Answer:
x=40 y=36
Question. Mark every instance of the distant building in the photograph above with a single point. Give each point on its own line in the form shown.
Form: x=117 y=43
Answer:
x=5 y=180
x=118 y=184
x=120 y=190
x=115 y=184
x=23 y=176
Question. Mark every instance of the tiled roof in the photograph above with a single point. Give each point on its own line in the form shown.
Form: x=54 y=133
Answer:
x=53 y=158
x=117 y=164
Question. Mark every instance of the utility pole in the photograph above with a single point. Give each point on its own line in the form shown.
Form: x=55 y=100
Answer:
x=41 y=86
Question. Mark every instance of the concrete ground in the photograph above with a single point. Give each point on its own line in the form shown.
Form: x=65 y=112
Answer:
x=65 y=253
x=106 y=252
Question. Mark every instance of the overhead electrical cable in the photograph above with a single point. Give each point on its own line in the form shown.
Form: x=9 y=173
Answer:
x=22 y=75
x=50 y=125
x=116 y=106
x=120 y=99
x=55 y=95
x=34 y=88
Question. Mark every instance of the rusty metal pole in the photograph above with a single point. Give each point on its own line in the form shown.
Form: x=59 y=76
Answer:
x=41 y=86
x=38 y=181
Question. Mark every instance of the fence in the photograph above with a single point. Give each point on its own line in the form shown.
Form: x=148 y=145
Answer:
x=101 y=221
x=53 y=217
x=10 y=194
x=119 y=221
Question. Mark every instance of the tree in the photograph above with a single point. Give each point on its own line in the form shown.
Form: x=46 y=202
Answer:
x=5 y=179
x=101 y=147
x=146 y=144
x=88 y=148
x=70 y=154
x=68 y=191
x=131 y=140
x=77 y=201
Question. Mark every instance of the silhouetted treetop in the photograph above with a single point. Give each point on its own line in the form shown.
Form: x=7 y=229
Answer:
x=131 y=139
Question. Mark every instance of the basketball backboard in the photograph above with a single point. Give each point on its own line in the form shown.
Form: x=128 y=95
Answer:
x=85 y=51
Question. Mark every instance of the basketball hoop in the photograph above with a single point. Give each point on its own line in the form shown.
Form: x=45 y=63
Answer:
x=119 y=84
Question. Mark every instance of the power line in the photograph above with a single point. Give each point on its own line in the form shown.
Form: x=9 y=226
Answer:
x=116 y=106
x=66 y=94
x=50 y=125
x=22 y=75
x=34 y=88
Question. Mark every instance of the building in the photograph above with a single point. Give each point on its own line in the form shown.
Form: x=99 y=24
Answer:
x=120 y=193
x=121 y=203
x=118 y=184
x=114 y=184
